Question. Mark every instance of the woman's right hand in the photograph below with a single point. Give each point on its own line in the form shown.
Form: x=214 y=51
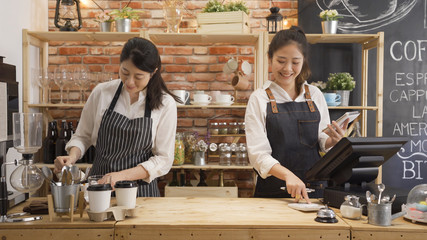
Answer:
x=296 y=187
x=62 y=161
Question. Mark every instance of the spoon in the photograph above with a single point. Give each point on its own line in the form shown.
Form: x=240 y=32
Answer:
x=75 y=174
x=381 y=188
x=368 y=196
x=393 y=198
x=385 y=199
x=47 y=173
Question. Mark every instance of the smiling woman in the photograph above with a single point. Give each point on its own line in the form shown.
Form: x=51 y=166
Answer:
x=132 y=127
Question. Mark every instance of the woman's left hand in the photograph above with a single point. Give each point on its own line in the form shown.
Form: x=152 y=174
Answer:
x=335 y=133
x=115 y=177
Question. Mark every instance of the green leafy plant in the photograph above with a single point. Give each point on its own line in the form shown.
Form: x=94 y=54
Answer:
x=125 y=13
x=340 y=81
x=219 y=6
x=329 y=15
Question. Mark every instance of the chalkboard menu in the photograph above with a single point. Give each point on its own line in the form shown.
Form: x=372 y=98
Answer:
x=404 y=23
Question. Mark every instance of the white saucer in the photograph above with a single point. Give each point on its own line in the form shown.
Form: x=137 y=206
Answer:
x=200 y=103
x=223 y=103
x=333 y=104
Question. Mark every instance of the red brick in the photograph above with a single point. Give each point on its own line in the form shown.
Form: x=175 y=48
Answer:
x=113 y=50
x=114 y=4
x=57 y=60
x=202 y=59
x=222 y=85
x=115 y=60
x=183 y=86
x=74 y=59
x=112 y=68
x=154 y=23
x=185 y=122
x=178 y=50
x=200 y=122
x=101 y=60
x=283 y=5
x=134 y=5
x=200 y=68
x=260 y=13
x=216 y=68
x=96 y=50
x=152 y=5
x=200 y=50
x=167 y=59
x=246 y=50
x=264 y=4
x=95 y=68
x=193 y=5
x=200 y=113
x=201 y=77
x=178 y=68
x=201 y=86
x=181 y=60
x=72 y=50
x=52 y=50
x=222 y=50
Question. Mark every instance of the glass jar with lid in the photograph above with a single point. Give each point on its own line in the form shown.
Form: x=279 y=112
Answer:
x=416 y=204
x=241 y=155
x=241 y=127
x=233 y=128
x=214 y=128
x=213 y=149
x=223 y=129
x=225 y=155
x=179 y=156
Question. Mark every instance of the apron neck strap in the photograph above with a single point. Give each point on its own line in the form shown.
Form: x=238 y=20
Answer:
x=307 y=96
x=272 y=101
x=147 y=112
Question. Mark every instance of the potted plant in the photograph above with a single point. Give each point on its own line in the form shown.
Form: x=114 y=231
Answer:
x=329 y=21
x=199 y=153
x=105 y=21
x=342 y=83
x=123 y=17
x=217 y=17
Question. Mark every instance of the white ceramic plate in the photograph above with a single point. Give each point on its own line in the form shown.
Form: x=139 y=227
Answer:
x=305 y=207
x=333 y=104
x=200 y=103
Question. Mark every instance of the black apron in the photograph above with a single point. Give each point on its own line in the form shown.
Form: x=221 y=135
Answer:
x=292 y=130
x=124 y=143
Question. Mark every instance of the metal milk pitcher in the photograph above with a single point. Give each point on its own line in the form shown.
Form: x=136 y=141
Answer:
x=380 y=214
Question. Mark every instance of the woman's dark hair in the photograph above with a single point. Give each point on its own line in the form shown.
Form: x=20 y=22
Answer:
x=145 y=56
x=291 y=36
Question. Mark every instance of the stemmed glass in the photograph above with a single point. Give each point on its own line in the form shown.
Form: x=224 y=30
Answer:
x=81 y=76
x=69 y=82
x=41 y=78
x=60 y=79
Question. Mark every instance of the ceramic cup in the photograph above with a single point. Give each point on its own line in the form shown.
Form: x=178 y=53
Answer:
x=214 y=94
x=240 y=81
x=224 y=98
x=332 y=98
x=126 y=193
x=202 y=98
x=183 y=95
x=231 y=66
x=99 y=197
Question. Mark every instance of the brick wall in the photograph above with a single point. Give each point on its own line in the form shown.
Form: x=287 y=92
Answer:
x=184 y=67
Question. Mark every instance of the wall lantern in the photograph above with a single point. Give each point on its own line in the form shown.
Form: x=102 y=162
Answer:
x=274 y=20
x=65 y=15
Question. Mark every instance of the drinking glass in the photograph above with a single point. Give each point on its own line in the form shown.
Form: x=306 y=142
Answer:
x=41 y=78
x=69 y=83
x=60 y=78
x=173 y=16
x=81 y=76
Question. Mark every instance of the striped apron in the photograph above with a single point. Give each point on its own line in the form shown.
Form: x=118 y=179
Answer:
x=124 y=143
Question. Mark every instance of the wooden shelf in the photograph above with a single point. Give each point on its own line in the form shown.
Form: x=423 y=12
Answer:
x=243 y=106
x=228 y=135
x=57 y=105
x=213 y=167
x=337 y=38
x=355 y=107
x=84 y=36
x=198 y=38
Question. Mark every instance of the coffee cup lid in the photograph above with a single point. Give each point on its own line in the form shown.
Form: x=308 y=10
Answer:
x=126 y=184
x=100 y=187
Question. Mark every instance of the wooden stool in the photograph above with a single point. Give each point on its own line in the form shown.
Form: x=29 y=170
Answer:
x=80 y=208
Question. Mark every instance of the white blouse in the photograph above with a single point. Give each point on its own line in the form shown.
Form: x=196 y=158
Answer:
x=163 y=129
x=259 y=150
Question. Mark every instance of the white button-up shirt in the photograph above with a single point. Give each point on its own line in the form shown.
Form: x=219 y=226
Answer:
x=259 y=150
x=163 y=128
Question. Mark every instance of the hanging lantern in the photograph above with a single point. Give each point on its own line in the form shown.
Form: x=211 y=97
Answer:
x=274 y=20
x=67 y=12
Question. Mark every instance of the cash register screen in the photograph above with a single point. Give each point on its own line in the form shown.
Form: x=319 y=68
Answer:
x=355 y=156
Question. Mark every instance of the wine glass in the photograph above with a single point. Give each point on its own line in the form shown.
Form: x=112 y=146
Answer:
x=41 y=78
x=60 y=79
x=81 y=76
x=69 y=82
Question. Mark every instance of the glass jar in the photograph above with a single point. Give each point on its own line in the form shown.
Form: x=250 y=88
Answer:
x=214 y=129
x=213 y=149
x=179 y=150
x=223 y=128
x=190 y=140
x=233 y=128
x=416 y=204
x=241 y=155
x=225 y=155
x=351 y=207
x=241 y=127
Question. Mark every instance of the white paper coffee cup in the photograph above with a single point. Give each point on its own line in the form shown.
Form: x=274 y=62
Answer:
x=99 y=197
x=126 y=192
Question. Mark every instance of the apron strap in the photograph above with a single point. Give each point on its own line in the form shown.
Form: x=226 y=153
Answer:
x=272 y=101
x=308 y=99
x=147 y=112
x=116 y=97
